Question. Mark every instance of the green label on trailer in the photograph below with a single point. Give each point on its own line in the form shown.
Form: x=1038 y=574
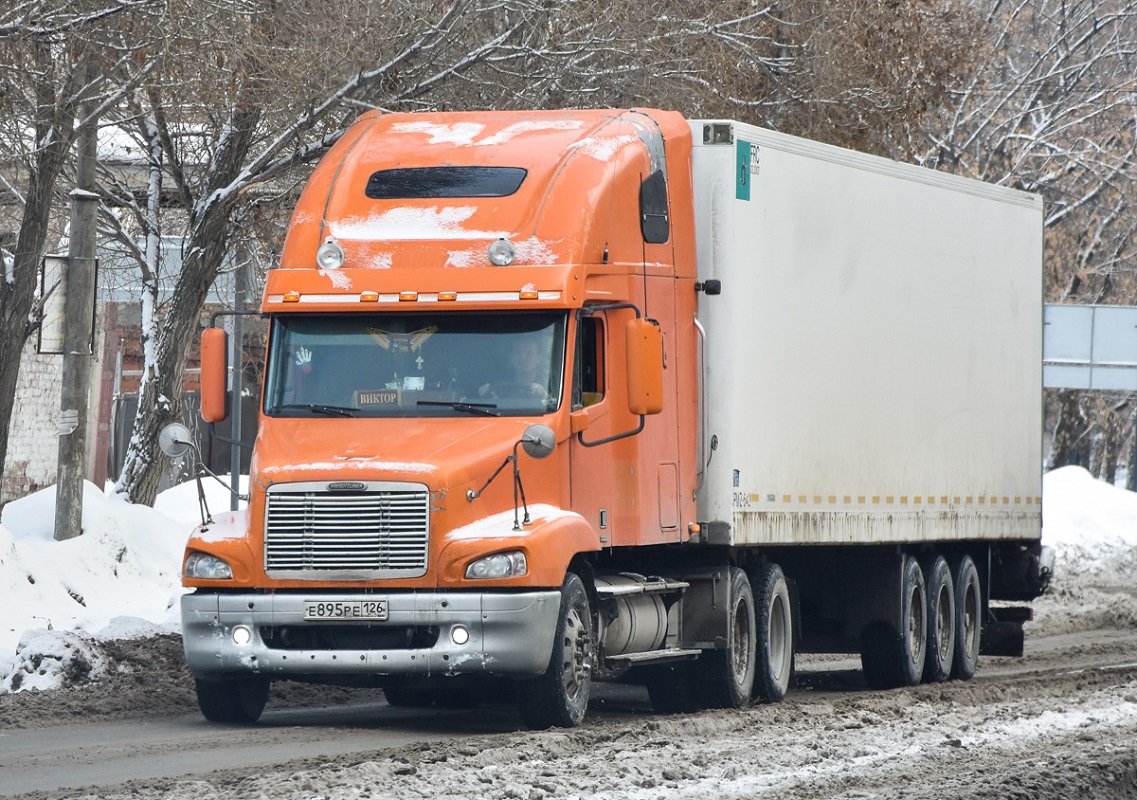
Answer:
x=742 y=170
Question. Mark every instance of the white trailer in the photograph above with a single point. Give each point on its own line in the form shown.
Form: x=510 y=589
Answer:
x=872 y=379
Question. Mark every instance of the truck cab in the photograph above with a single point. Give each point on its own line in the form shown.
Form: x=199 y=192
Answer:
x=449 y=282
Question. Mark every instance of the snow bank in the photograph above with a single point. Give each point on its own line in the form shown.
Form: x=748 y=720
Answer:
x=1091 y=525
x=119 y=579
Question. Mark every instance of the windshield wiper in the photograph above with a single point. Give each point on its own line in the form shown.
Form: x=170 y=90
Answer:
x=485 y=409
x=331 y=411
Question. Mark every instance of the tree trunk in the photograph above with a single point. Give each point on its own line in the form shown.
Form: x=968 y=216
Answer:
x=159 y=396
x=1108 y=447
x=17 y=299
x=1068 y=433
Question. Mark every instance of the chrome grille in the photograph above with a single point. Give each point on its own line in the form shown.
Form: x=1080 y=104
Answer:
x=378 y=532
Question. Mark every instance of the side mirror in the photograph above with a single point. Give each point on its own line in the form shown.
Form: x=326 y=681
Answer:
x=214 y=375
x=175 y=440
x=538 y=441
x=644 y=356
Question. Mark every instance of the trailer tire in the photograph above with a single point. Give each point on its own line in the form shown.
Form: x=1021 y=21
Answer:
x=968 y=619
x=774 y=634
x=232 y=700
x=892 y=653
x=725 y=678
x=941 y=621
x=559 y=697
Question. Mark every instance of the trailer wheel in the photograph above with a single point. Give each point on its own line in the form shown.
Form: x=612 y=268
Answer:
x=892 y=654
x=725 y=678
x=968 y=619
x=232 y=700
x=941 y=622
x=559 y=697
x=773 y=634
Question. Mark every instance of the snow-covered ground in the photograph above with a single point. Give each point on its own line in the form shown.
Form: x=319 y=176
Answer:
x=120 y=578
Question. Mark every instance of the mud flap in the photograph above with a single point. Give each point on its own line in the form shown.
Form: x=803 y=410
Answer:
x=1003 y=633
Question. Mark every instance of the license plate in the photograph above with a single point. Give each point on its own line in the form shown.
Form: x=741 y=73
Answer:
x=346 y=609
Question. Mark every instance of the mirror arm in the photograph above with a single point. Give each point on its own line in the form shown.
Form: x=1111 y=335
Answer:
x=213 y=434
x=213 y=317
x=580 y=436
x=588 y=311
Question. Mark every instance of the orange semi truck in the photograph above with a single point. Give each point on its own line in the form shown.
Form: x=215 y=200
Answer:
x=567 y=396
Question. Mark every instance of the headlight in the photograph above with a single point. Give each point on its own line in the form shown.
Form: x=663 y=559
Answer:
x=499 y=565
x=206 y=567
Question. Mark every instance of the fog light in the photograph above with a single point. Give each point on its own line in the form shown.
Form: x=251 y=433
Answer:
x=329 y=255
x=242 y=635
x=501 y=253
x=459 y=635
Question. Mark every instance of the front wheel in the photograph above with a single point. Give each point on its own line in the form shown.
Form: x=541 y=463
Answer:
x=559 y=697
x=232 y=700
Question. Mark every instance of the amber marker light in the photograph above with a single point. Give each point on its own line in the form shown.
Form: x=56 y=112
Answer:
x=444 y=296
x=527 y=294
x=369 y=297
x=408 y=297
x=291 y=297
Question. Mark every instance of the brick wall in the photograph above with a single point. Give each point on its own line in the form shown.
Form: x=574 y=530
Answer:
x=33 y=443
x=33 y=437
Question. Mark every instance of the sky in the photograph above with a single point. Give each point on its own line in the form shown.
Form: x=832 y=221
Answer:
x=120 y=578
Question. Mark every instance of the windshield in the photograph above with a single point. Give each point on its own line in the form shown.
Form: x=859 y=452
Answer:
x=415 y=365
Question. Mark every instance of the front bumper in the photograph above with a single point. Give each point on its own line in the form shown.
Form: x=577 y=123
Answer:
x=509 y=635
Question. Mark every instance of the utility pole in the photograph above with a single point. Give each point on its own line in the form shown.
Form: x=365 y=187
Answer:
x=240 y=289
x=79 y=294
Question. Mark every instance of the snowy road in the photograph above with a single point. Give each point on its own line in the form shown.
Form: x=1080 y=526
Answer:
x=1062 y=721
x=112 y=753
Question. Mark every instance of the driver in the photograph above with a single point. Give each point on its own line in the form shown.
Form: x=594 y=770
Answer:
x=525 y=378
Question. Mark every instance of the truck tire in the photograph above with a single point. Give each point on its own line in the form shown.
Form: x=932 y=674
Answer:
x=774 y=638
x=941 y=621
x=232 y=700
x=968 y=619
x=892 y=654
x=559 y=697
x=725 y=678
